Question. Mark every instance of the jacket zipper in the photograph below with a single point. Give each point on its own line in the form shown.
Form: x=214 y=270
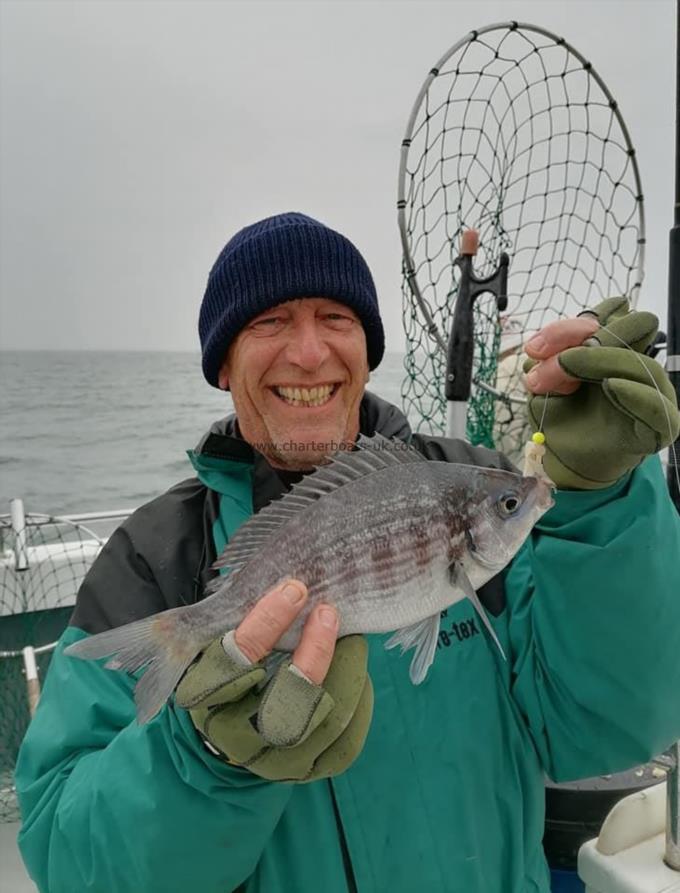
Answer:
x=346 y=861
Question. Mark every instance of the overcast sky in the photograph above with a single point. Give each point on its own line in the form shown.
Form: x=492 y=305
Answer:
x=138 y=136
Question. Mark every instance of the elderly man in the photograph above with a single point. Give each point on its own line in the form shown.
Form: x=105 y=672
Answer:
x=378 y=784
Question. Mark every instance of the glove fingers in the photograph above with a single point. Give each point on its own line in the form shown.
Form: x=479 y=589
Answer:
x=347 y=747
x=279 y=734
x=291 y=708
x=350 y=689
x=637 y=329
x=654 y=411
x=234 y=730
x=608 y=310
x=326 y=752
x=345 y=684
x=217 y=677
x=599 y=363
x=347 y=672
x=231 y=729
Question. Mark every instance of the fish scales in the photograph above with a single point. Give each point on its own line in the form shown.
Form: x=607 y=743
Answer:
x=397 y=557
x=389 y=538
x=345 y=524
x=418 y=511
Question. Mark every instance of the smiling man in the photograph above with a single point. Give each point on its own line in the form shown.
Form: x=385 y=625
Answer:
x=338 y=774
x=291 y=306
x=297 y=374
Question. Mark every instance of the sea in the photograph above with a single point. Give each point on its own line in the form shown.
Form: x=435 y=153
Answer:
x=94 y=431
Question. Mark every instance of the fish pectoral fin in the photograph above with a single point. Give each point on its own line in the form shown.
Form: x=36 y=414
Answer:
x=460 y=580
x=423 y=637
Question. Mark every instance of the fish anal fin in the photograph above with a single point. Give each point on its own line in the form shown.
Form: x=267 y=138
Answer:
x=423 y=637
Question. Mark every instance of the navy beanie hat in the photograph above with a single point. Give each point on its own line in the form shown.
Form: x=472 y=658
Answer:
x=277 y=259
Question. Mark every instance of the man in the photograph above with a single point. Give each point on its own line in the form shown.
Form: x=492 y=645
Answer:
x=339 y=774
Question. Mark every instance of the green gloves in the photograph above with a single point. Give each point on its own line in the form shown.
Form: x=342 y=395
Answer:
x=617 y=416
x=289 y=730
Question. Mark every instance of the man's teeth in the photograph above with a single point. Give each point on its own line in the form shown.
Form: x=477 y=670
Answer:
x=306 y=396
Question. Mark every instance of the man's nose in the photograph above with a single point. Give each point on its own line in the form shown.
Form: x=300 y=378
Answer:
x=307 y=347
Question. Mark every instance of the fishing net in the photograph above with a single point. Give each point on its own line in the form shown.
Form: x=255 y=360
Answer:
x=515 y=135
x=43 y=560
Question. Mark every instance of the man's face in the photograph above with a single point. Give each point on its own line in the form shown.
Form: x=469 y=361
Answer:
x=297 y=375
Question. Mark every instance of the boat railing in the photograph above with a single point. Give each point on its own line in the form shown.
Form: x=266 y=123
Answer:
x=43 y=560
x=72 y=547
x=672 y=851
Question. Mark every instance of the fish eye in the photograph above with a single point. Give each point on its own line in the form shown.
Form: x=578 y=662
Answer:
x=508 y=504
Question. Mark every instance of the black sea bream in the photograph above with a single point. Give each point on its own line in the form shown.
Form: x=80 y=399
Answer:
x=388 y=537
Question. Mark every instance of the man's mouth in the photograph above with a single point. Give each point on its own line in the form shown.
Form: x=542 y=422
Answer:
x=316 y=396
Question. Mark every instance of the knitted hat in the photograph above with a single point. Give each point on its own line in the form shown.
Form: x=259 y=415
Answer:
x=277 y=259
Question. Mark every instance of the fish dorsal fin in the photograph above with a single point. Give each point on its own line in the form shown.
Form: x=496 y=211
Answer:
x=373 y=454
x=392 y=451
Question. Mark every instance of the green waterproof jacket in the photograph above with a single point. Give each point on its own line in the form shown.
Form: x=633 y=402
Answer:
x=448 y=792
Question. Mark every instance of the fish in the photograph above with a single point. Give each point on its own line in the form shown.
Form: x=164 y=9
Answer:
x=388 y=537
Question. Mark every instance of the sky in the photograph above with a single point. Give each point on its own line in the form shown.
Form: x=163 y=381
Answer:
x=137 y=137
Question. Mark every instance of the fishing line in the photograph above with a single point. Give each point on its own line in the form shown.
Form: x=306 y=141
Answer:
x=534 y=450
x=545 y=406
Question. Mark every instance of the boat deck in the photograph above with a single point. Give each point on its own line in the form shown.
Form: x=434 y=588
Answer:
x=13 y=876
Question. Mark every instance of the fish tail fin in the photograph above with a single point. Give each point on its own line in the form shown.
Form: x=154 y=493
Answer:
x=161 y=643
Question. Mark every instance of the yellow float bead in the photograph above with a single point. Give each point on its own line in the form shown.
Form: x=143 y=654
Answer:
x=538 y=437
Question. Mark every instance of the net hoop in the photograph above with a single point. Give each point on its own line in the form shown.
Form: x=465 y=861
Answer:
x=432 y=327
x=434 y=330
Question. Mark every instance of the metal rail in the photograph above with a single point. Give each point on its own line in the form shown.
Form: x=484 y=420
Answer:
x=39 y=518
x=23 y=554
x=672 y=851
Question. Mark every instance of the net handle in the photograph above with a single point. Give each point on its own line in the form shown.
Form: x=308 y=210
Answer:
x=32 y=683
x=461 y=346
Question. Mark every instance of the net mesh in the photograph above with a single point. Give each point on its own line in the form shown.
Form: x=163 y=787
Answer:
x=513 y=135
x=41 y=568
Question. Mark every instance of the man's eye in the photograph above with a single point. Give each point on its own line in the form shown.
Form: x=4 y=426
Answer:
x=339 y=321
x=267 y=324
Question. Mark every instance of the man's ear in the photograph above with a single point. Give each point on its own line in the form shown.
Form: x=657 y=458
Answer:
x=223 y=378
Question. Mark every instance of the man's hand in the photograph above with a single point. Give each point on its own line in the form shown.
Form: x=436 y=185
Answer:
x=270 y=618
x=310 y=721
x=548 y=374
x=609 y=406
